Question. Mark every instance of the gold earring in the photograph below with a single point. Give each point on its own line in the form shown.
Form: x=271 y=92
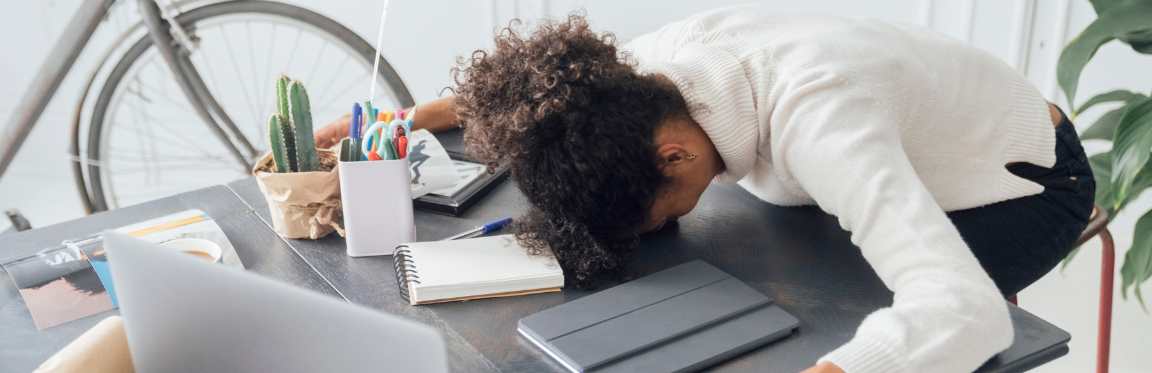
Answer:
x=691 y=157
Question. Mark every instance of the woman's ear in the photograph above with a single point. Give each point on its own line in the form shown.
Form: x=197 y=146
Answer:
x=672 y=158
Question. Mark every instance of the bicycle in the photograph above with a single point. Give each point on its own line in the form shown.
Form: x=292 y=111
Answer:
x=156 y=126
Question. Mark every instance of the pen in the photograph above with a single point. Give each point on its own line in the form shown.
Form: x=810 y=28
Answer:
x=486 y=228
x=369 y=117
x=354 y=133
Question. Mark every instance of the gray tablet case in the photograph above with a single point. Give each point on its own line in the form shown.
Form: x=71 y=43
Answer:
x=681 y=319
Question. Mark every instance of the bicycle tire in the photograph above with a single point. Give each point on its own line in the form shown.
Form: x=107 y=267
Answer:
x=95 y=193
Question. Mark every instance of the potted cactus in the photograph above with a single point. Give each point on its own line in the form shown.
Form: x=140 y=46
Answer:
x=300 y=182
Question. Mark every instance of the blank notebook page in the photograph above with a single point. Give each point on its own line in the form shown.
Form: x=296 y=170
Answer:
x=478 y=261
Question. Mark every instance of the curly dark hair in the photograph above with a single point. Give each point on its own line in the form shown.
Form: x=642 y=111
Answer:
x=573 y=119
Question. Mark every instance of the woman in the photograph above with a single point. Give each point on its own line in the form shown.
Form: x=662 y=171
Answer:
x=886 y=126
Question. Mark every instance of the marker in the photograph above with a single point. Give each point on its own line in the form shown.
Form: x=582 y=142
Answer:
x=367 y=118
x=402 y=147
x=486 y=228
x=354 y=133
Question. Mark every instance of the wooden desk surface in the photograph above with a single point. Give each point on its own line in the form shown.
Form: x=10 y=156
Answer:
x=797 y=256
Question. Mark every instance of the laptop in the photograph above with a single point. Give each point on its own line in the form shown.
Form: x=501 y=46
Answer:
x=185 y=314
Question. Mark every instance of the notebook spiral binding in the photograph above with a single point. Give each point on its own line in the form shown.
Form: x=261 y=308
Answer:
x=405 y=270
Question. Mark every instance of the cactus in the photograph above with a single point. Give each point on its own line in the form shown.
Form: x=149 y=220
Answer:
x=277 y=129
x=282 y=95
x=290 y=129
x=300 y=114
x=277 y=137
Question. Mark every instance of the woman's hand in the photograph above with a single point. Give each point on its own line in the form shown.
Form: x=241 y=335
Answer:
x=435 y=116
x=330 y=135
x=825 y=367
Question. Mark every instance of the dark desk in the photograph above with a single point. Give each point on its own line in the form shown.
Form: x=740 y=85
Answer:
x=23 y=348
x=797 y=256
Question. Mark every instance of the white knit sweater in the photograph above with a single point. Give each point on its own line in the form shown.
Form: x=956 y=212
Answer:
x=885 y=126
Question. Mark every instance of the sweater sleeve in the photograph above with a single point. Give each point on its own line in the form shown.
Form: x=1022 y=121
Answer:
x=841 y=144
x=838 y=143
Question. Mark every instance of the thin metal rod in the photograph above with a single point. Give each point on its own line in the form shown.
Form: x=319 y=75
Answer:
x=162 y=39
x=208 y=99
x=1107 y=273
x=376 y=65
x=48 y=79
x=252 y=111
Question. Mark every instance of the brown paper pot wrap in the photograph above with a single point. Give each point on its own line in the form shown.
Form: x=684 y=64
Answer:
x=303 y=204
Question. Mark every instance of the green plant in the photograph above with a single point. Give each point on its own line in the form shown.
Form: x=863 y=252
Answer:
x=290 y=129
x=1123 y=172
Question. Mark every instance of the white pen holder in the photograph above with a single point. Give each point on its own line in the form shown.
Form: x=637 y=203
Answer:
x=377 y=201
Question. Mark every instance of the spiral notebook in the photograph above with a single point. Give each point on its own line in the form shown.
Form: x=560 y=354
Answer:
x=445 y=271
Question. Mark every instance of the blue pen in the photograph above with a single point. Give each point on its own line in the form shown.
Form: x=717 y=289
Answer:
x=354 y=133
x=486 y=228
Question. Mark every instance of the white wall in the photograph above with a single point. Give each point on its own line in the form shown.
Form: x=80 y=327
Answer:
x=1027 y=34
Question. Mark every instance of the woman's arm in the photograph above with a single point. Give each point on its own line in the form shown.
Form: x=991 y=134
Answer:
x=842 y=146
x=436 y=116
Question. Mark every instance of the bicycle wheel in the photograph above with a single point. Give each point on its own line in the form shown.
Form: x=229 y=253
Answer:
x=144 y=139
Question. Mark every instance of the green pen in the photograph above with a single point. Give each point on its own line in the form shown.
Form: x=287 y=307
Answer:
x=369 y=114
x=369 y=118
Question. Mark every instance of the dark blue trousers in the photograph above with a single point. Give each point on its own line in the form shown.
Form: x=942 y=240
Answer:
x=1020 y=240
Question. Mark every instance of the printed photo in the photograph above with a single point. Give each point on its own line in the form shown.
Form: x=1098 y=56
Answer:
x=432 y=168
x=71 y=281
x=58 y=285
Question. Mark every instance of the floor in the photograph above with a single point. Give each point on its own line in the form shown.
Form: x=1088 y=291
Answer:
x=40 y=184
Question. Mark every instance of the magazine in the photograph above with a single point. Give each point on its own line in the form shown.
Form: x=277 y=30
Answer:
x=432 y=168
x=71 y=281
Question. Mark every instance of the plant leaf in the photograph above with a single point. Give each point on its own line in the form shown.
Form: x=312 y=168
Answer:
x=1105 y=127
x=1140 y=41
x=1102 y=171
x=1068 y=259
x=1137 y=266
x=1130 y=148
x=1116 y=20
x=1142 y=182
x=1101 y=5
x=1117 y=95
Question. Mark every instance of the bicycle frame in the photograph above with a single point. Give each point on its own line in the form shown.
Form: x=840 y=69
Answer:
x=48 y=79
x=64 y=54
